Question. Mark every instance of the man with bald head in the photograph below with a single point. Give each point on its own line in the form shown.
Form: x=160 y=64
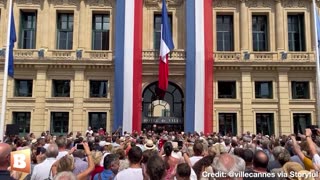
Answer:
x=226 y=163
x=260 y=164
x=5 y=150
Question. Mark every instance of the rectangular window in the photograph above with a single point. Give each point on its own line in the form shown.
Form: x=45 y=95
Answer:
x=100 y=31
x=301 y=121
x=157 y=29
x=227 y=89
x=23 y=120
x=23 y=88
x=59 y=122
x=65 y=31
x=28 y=30
x=98 y=88
x=228 y=123
x=296 y=38
x=300 y=90
x=97 y=120
x=263 y=89
x=265 y=123
x=260 y=33
x=61 y=88
x=225 y=33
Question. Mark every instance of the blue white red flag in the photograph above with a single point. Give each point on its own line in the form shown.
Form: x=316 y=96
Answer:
x=166 y=45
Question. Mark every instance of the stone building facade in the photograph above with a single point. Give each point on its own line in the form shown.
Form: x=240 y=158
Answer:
x=264 y=64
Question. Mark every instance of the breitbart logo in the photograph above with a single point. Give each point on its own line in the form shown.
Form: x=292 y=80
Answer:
x=20 y=160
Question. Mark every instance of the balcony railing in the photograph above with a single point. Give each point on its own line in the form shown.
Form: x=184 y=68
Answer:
x=178 y=54
x=227 y=56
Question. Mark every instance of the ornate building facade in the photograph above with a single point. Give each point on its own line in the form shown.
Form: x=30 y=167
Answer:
x=264 y=70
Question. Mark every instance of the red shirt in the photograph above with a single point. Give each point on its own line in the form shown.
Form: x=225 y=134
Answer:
x=97 y=169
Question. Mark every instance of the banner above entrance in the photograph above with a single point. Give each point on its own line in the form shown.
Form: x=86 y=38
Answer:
x=162 y=120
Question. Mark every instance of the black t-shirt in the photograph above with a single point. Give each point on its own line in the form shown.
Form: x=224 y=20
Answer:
x=5 y=175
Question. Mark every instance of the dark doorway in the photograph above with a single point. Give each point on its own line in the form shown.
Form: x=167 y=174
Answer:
x=162 y=110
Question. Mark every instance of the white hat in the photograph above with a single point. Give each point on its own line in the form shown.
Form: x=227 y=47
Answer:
x=149 y=145
x=104 y=143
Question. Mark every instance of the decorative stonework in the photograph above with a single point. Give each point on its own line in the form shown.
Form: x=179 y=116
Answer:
x=100 y=3
x=28 y=1
x=3 y=3
x=158 y=3
x=224 y=3
x=65 y=2
x=295 y=3
x=260 y=3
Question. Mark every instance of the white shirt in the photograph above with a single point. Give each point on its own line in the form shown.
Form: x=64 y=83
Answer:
x=195 y=159
x=41 y=171
x=130 y=173
x=61 y=154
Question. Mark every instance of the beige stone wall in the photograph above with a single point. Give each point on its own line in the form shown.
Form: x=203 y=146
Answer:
x=99 y=64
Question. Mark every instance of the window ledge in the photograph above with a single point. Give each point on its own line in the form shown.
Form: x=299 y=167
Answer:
x=60 y=99
x=227 y=100
x=21 y=99
x=261 y=100
x=302 y=101
x=98 y=100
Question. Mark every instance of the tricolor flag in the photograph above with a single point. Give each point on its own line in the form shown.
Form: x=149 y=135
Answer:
x=128 y=65
x=12 y=39
x=199 y=66
x=166 y=45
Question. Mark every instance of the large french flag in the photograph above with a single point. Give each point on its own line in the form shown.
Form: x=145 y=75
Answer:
x=199 y=66
x=166 y=45
x=128 y=65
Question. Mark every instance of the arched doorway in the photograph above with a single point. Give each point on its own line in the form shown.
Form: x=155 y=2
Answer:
x=162 y=110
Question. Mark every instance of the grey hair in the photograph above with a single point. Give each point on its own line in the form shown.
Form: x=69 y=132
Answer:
x=277 y=150
x=219 y=163
x=65 y=175
x=52 y=151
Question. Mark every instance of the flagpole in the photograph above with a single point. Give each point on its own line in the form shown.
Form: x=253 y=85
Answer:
x=315 y=14
x=5 y=76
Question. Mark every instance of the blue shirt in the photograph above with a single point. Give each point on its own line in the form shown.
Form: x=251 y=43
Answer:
x=105 y=174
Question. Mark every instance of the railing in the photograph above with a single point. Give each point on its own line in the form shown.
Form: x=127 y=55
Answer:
x=98 y=55
x=227 y=56
x=301 y=56
x=178 y=54
x=26 y=53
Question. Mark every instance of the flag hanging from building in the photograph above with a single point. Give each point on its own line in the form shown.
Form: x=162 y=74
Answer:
x=199 y=66
x=166 y=45
x=12 y=39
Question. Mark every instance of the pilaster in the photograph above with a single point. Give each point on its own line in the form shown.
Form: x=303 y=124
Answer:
x=246 y=105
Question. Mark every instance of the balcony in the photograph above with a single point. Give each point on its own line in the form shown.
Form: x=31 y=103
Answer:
x=62 y=54
x=152 y=55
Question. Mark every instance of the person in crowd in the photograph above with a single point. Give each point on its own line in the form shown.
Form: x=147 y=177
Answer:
x=42 y=170
x=197 y=150
x=89 y=131
x=155 y=169
x=96 y=156
x=203 y=165
x=124 y=162
x=260 y=164
x=134 y=171
x=226 y=163
x=5 y=151
x=247 y=156
x=61 y=142
x=65 y=175
x=170 y=161
x=79 y=164
x=111 y=167
x=183 y=172
x=66 y=163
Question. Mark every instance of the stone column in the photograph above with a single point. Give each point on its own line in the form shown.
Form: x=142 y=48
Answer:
x=244 y=26
x=79 y=122
x=284 y=113
x=82 y=26
x=279 y=26
x=246 y=104
x=39 y=121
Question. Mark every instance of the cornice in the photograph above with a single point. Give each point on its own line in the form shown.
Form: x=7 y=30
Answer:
x=100 y=3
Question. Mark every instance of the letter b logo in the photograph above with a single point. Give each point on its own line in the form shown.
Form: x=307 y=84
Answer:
x=20 y=160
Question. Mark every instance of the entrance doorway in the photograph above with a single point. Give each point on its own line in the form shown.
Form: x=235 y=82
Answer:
x=162 y=110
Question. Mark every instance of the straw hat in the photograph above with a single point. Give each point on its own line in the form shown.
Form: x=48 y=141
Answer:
x=292 y=168
x=149 y=145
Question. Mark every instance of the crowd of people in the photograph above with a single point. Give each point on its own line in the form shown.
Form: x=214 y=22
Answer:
x=164 y=156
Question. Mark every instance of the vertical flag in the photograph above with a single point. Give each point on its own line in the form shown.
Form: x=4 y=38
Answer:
x=12 y=40
x=199 y=66
x=128 y=65
x=316 y=21
x=166 y=45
